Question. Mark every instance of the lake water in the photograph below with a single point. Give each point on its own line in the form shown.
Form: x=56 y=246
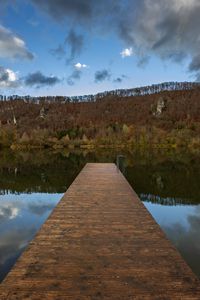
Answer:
x=32 y=183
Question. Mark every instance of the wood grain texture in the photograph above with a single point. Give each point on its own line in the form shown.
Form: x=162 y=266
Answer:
x=100 y=242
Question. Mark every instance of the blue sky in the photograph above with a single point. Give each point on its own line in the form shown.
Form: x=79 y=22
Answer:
x=92 y=37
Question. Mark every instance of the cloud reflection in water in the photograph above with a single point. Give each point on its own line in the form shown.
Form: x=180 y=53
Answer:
x=20 y=218
x=182 y=226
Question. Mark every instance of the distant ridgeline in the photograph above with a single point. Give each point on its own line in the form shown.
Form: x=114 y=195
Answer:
x=159 y=116
x=140 y=91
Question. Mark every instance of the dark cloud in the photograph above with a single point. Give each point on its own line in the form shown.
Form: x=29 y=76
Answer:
x=80 y=12
x=8 y=78
x=195 y=63
x=75 y=43
x=167 y=29
x=177 y=57
x=120 y=79
x=194 y=67
x=102 y=75
x=58 y=52
x=76 y=75
x=4 y=76
x=143 y=61
x=198 y=77
x=60 y=9
x=37 y=79
x=12 y=46
x=71 y=48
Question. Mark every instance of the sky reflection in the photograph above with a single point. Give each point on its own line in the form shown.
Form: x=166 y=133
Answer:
x=28 y=196
x=181 y=224
x=21 y=215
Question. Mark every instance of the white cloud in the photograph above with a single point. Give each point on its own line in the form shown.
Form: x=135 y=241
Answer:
x=167 y=29
x=127 y=52
x=11 y=46
x=8 y=78
x=80 y=66
x=182 y=3
x=11 y=75
x=8 y=211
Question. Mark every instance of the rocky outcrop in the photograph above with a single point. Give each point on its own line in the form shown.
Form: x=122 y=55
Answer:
x=158 y=108
x=43 y=112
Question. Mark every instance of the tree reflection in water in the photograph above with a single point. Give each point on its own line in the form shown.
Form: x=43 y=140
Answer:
x=31 y=184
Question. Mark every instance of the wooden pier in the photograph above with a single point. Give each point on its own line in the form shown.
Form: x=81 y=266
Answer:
x=100 y=242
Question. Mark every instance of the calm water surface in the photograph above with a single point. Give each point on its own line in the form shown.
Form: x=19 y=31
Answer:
x=31 y=184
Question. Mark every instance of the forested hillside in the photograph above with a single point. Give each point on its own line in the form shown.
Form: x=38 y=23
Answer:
x=164 y=119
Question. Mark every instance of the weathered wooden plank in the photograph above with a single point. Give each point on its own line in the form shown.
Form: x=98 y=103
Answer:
x=100 y=242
